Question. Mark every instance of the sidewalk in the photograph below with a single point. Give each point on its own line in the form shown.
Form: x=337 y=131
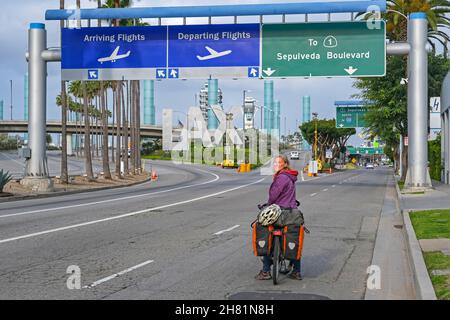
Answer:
x=391 y=253
x=438 y=198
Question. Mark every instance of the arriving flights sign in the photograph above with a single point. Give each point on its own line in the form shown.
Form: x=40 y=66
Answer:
x=223 y=51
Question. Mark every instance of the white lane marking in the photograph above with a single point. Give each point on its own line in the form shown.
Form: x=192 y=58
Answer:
x=313 y=194
x=226 y=230
x=73 y=226
x=324 y=176
x=333 y=186
x=6 y=156
x=111 y=200
x=325 y=190
x=96 y=283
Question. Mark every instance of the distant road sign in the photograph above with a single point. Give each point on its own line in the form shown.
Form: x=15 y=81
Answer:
x=365 y=150
x=113 y=53
x=350 y=117
x=220 y=51
x=355 y=49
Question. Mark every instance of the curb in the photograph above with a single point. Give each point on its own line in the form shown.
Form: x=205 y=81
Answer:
x=64 y=193
x=422 y=282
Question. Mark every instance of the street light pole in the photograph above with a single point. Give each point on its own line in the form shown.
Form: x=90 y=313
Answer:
x=11 y=83
x=243 y=108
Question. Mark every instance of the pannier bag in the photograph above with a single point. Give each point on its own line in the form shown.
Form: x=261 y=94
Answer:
x=293 y=241
x=262 y=239
x=290 y=216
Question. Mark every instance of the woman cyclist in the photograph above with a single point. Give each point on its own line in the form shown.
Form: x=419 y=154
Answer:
x=282 y=193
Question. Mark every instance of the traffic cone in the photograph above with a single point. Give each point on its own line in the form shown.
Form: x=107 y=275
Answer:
x=154 y=175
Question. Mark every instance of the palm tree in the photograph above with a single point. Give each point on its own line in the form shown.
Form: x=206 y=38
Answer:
x=132 y=100
x=80 y=89
x=397 y=25
x=104 y=108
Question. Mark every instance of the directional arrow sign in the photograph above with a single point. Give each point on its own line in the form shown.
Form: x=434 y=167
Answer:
x=160 y=73
x=220 y=51
x=350 y=70
x=344 y=49
x=253 y=72
x=92 y=74
x=173 y=73
x=130 y=53
x=269 y=72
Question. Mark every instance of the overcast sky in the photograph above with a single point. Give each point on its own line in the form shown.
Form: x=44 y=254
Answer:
x=16 y=15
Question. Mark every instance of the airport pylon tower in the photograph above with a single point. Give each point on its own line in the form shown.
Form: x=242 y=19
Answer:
x=306 y=118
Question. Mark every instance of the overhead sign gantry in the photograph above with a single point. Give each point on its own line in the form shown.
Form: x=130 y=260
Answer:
x=415 y=48
x=258 y=50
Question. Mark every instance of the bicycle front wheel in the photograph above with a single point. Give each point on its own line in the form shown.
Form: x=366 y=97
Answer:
x=276 y=260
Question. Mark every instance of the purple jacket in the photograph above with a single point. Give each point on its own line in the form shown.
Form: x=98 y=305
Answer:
x=282 y=190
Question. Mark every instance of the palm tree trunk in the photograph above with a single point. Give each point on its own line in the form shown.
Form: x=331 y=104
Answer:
x=138 y=126
x=97 y=141
x=105 y=152
x=125 y=131
x=117 y=104
x=87 y=144
x=130 y=103
x=113 y=128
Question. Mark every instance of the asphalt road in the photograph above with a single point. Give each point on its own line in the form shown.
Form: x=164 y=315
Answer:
x=187 y=236
x=10 y=161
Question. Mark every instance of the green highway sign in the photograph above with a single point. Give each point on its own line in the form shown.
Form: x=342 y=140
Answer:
x=351 y=117
x=330 y=49
x=365 y=151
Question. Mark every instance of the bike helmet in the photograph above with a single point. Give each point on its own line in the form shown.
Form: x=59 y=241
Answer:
x=269 y=215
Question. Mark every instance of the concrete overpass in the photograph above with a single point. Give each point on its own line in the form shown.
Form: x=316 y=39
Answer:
x=147 y=131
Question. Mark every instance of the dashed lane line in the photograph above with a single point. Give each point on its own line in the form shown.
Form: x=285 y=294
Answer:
x=227 y=230
x=96 y=283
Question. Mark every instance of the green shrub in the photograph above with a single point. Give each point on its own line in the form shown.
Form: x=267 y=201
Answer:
x=434 y=158
x=4 y=179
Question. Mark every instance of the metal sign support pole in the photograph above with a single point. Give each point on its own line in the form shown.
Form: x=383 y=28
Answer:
x=418 y=176
x=36 y=169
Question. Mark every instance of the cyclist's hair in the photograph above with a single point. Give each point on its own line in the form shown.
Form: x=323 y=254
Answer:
x=287 y=164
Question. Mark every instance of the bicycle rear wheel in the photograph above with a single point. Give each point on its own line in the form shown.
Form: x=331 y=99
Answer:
x=276 y=260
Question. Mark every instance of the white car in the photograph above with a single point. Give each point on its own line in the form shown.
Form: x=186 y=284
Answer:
x=370 y=166
x=295 y=155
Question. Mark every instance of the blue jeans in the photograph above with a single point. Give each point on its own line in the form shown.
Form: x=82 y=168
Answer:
x=267 y=263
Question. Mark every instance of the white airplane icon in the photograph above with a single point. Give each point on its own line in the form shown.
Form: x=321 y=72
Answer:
x=114 y=56
x=213 y=54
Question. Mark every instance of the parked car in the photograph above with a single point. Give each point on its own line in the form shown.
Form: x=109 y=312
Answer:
x=370 y=166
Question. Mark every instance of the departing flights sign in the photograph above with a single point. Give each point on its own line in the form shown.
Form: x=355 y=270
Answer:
x=224 y=51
